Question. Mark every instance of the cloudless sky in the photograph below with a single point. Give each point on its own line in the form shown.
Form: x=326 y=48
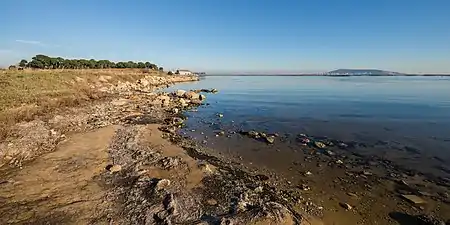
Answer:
x=234 y=35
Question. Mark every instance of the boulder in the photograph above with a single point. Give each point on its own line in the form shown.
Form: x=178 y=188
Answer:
x=180 y=93
x=183 y=102
x=191 y=95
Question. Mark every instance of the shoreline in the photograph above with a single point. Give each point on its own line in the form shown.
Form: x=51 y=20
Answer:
x=145 y=171
x=133 y=166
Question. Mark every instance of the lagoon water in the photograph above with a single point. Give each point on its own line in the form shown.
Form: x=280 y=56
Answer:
x=411 y=113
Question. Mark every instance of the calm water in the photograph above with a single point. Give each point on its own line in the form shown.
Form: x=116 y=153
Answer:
x=401 y=111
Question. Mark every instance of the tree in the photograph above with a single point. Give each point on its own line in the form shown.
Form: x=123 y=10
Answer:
x=141 y=65
x=36 y=64
x=45 y=62
x=170 y=73
x=161 y=69
x=23 y=63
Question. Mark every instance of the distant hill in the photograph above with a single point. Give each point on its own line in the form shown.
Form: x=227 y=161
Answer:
x=362 y=72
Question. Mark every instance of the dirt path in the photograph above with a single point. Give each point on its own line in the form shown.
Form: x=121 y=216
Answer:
x=60 y=187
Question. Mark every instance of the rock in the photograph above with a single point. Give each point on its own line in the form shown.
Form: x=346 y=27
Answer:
x=191 y=95
x=319 y=144
x=180 y=93
x=414 y=199
x=183 y=102
x=258 y=189
x=114 y=168
x=177 y=120
x=144 y=82
x=308 y=173
x=163 y=99
x=162 y=184
x=206 y=168
x=304 y=187
x=429 y=220
x=211 y=201
x=305 y=141
x=220 y=115
x=352 y=195
x=221 y=133
x=367 y=173
x=175 y=110
x=196 y=101
x=342 y=145
x=253 y=134
x=329 y=153
x=202 y=97
x=339 y=161
x=345 y=206
x=270 y=139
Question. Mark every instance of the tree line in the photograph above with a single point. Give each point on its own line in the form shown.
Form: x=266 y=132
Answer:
x=47 y=62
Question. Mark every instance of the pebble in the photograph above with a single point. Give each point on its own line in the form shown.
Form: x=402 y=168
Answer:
x=304 y=187
x=339 y=161
x=162 y=184
x=345 y=206
x=114 y=168
x=211 y=201
x=220 y=115
x=308 y=173
x=352 y=195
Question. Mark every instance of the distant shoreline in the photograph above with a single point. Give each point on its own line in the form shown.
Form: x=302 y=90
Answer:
x=317 y=75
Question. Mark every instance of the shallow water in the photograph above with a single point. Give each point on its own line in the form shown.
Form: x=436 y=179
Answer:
x=409 y=115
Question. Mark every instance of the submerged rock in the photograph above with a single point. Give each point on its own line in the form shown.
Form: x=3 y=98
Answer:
x=414 y=199
x=429 y=220
x=319 y=144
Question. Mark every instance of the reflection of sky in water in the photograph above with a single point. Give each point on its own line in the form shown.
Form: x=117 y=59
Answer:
x=399 y=98
x=401 y=111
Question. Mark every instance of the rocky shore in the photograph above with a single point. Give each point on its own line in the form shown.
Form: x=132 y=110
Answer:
x=122 y=161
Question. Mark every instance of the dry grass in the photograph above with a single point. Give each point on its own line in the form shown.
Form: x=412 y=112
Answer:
x=26 y=94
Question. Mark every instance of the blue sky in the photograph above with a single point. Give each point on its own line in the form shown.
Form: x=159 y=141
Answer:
x=234 y=35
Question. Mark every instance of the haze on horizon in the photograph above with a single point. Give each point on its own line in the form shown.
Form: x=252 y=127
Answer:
x=238 y=36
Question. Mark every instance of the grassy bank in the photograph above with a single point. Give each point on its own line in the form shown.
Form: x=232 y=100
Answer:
x=26 y=94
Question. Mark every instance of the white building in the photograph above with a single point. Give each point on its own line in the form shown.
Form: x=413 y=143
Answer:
x=184 y=72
